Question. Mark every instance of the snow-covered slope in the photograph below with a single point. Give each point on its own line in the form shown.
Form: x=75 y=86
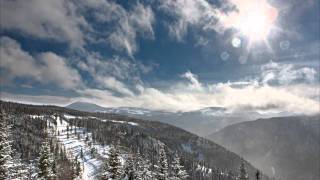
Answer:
x=73 y=146
x=77 y=139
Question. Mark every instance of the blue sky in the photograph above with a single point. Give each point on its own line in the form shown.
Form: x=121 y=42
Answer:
x=166 y=55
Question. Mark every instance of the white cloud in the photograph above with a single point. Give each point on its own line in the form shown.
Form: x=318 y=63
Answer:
x=51 y=68
x=46 y=19
x=65 y=21
x=285 y=74
x=113 y=84
x=45 y=68
x=250 y=96
x=131 y=23
x=115 y=73
x=195 y=84
x=189 y=13
x=55 y=70
x=120 y=68
x=123 y=26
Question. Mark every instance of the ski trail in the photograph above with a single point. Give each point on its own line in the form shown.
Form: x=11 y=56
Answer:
x=73 y=145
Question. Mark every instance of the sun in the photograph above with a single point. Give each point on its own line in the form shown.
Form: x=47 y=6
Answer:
x=256 y=20
x=253 y=19
x=255 y=25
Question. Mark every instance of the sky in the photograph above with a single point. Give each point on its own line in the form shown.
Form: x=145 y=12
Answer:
x=173 y=55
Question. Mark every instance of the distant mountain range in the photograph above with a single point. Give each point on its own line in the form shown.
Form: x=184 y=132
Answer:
x=285 y=147
x=201 y=122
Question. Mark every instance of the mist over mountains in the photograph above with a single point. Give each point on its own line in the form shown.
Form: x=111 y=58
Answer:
x=201 y=122
x=284 y=147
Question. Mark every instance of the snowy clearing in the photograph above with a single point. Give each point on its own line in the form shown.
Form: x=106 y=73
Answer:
x=73 y=145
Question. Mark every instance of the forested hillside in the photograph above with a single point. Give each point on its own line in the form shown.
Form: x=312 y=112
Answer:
x=58 y=143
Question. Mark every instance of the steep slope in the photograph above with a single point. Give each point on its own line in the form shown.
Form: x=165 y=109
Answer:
x=202 y=158
x=284 y=147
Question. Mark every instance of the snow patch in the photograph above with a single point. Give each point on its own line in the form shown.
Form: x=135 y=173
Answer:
x=122 y=122
x=37 y=116
x=67 y=116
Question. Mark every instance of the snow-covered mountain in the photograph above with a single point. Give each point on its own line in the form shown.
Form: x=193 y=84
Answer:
x=201 y=122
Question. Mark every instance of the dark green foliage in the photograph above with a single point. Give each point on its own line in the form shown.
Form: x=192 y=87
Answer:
x=76 y=168
x=130 y=168
x=243 y=175
x=112 y=168
x=258 y=175
x=177 y=170
x=162 y=166
x=45 y=162
x=5 y=148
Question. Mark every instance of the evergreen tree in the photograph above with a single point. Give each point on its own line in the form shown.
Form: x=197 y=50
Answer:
x=143 y=168
x=258 y=175
x=18 y=170
x=76 y=169
x=56 y=150
x=45 y=162
x=243 y=172
x=112 y=168
x=81 y=153
x=130 y=168
x=178 y=173
x=162 y=167
x=5 y=148
x=10 y=167
x=93 y=152
x=54 y=167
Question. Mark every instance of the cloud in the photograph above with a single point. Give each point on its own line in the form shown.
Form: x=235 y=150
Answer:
x=113 y=84
x=116 y=73
x=217 y=16
x=284 y=74
x=122 y=25
x=237 y=96
x=131 y=23
x=116 y=66
x=195 y=84
x=46 y=67
x=44 y=19
x=68 y=21
x=236 y=18
x=189 y=13
x=112 y=75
